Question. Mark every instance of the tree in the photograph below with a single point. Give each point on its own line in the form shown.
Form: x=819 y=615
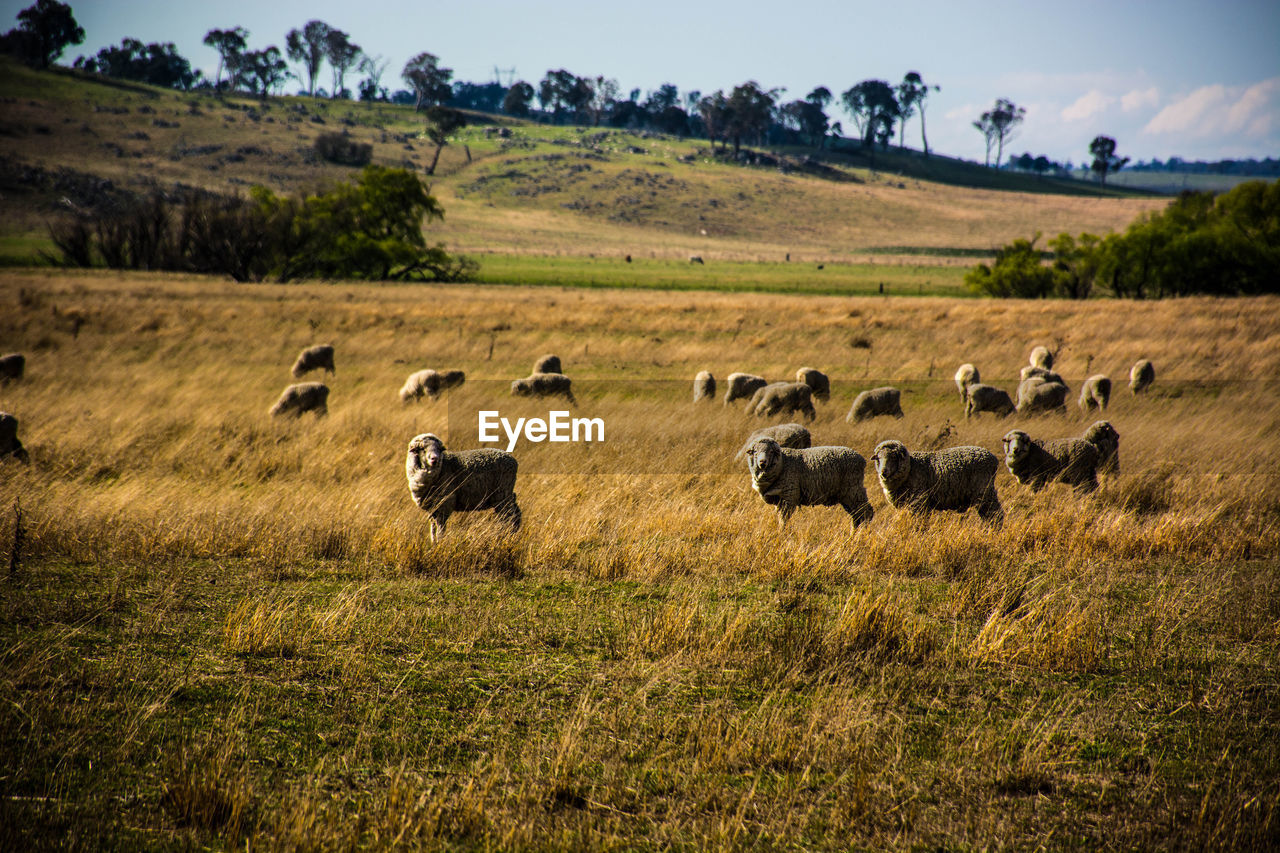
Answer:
x=156 y=64
x=749 y=111
x=371 y=88
x=1017 y=272
x=604 y=91
x=912 y=94
x=714 y=110
x=342 y=53
x=873 y=107
x=429 y=81
x=1103 y=149
x=998 y=125
x=518 y=99
x=442 y=122
x=229 y=44
x=264 y=70
x=44 y=31
x=564 y=94
x=308 y=46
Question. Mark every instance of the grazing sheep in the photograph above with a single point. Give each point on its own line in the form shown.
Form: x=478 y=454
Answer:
x=1095 y=392
x=419 y=383
x=444 y=482
x=9 y=444
x=742 y=386
x=782 y=398
x=1039 y=395
x=548 y=364
x=816 y=476
x=12 y=366
x=1073 y=461
x=544 y=385
x=817 y=380
x=1041 y=357
x=986 y=398
x=877 y=401
x=952 y=479
x=966 y=375
x=1141 y=376
x=314 y=358
x=1102 y=435
x=1033 y=372
x=793 y=436
x=302 y=398
x=452 y=379
x=704 y=386
x=695 y=259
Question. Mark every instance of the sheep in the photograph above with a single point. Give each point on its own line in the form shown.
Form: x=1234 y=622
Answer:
x=12 y=366
x=695 y=259
x=793 y=436
x=1033 y=372
x=420 y=382
x=815 y=476
x=1041 y=357
x=1039 y=395
x=313 y=358
x=953 y=479
x=966 y=375
x=452 y=379
x=987 y=398
x=1141 y=376
x=817 y=380
x=1102 y=435
x=302 y=398
x=742 y=386
x=544 y=385
x=704 y=386
x=1095 y=392
x=443 y=482
x=9 y=443
x=782 y=398
x=877 y=401
x=1073 y=461
x=548 y=364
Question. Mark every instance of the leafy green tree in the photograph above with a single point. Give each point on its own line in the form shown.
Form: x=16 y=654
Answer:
x=1018 y=272
x=442 y=122
x=229 y=44
x=874 y=108
x=998 y=125
x=714 y=111
x=518 y=99
x=308 y=46
x=565 y=94
x=750 y=110
x=913 y=92
x=428 y=79
x=44 y=31
x=342 y=54
x=263 y=70
x=1103 y=150
x=156 y=64
x=1075 y=265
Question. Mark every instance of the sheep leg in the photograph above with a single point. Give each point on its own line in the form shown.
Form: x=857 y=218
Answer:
x=438 y=520
x=859 y=510
x=509 y=511
x=784 y=514
x=989 y=507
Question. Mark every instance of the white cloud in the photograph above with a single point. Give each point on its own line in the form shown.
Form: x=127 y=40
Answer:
x=1139 y=98
x=1087 y=105
x=1217 y=110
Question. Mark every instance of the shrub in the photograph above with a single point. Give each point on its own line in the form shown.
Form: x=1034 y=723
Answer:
x=342 y=149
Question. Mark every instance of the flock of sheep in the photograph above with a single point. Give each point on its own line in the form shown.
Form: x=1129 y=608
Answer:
x=786 y=470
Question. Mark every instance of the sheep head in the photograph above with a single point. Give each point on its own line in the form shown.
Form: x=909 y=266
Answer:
x=764 y=460
x=892 y=461
x=424 y=462
x=1017 y=444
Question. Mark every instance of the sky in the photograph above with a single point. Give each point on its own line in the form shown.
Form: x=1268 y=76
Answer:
x=1198 y=80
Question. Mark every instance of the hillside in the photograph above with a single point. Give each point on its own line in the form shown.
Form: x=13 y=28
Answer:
x=522 y=188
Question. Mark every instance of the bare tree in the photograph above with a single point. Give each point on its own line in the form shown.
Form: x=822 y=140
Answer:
x=998 y=125
x=912 y=94
x=228 y=44
x=308 y=46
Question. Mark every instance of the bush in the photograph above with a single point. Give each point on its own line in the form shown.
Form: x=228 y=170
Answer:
x=1018 y=272
x=342 y=149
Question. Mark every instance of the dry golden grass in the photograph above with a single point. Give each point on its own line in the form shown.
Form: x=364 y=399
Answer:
x=229 y=630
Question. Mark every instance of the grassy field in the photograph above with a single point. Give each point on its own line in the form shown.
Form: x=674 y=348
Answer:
x=224 y=631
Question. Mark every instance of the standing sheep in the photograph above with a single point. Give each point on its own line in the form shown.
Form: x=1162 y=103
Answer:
x=953 y=479
x=1073 y=461
x=782 y=398
x=966 y=375
x=1102 y=435
x=302 y=398
x=986 y=398
x=1095 y=392
x=742 y=386
x=877 y=401
x=816 y=476
x=12 y=367
x=788 y=435
x=9 y=443
x=314 y=358
x=444 y=482
x=1141 y=376
x=547 y=364
x=544 y=385
x=1041 y=356
x=704 y=386
x=816 y=380
x=1038 y=395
